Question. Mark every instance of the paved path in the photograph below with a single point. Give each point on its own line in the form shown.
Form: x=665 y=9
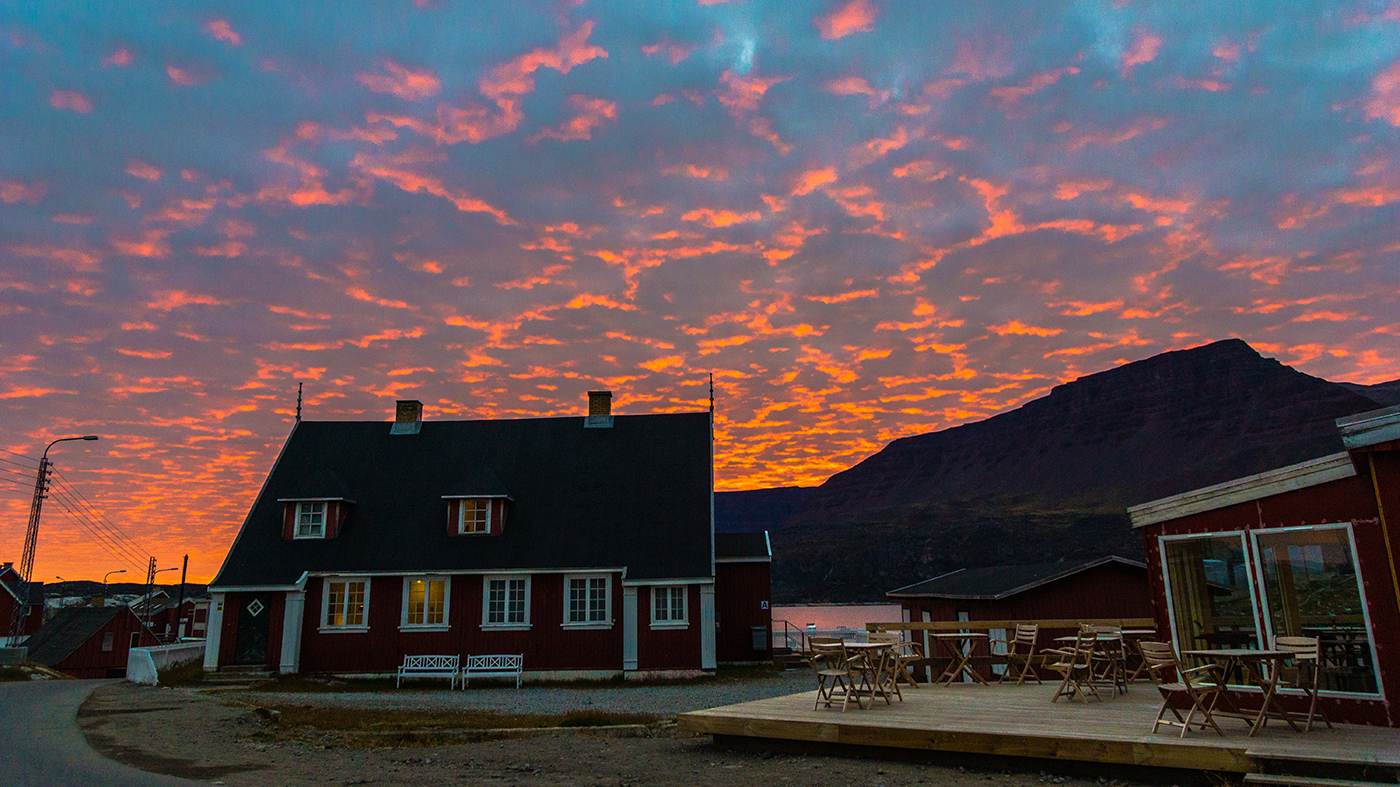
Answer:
x=41 y=745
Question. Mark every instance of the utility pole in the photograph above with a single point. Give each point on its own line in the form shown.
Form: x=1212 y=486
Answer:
x=180 y=606
x=150 y=581
x=31 y=535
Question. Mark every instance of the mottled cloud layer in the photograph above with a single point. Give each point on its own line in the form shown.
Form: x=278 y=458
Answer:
x=866 y=219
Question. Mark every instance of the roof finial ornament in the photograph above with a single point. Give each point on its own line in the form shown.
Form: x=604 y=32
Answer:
x=299 y=402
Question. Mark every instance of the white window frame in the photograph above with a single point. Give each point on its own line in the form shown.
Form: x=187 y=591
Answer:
x=667 y=622
x=486 y=623
x=405 y=625
x=1249 y=561
x=352 y=628
x=296 y=519
x=462 y=516
x=607 y=621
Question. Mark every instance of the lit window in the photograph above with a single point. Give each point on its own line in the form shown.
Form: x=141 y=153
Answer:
x=668 y=605
x=475 y=517
x=425 y=602
x=586 y=601
x=346 y=600
x=506 y=602
x=311 y=520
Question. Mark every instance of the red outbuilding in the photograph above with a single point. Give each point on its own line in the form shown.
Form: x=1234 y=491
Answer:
x=89 y=642
x=743 y=592
x=1305 y=550
x=14 y=591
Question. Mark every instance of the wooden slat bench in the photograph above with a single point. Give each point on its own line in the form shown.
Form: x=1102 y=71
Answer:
x=431 y=667
x=500 y=666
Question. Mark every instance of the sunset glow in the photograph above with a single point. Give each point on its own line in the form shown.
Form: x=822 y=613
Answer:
x=867 y=219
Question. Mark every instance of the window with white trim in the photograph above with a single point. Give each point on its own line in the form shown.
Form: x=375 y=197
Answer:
x=425 y=602
x=668 y=606
x=474 y=516
x=505 y=602
x=587 y=600
x=345 y=600
x=311 y=520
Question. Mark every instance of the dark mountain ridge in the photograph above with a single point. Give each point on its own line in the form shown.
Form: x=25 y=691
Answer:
x=1052 y=479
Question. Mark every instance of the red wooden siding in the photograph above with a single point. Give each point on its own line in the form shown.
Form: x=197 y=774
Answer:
x=1353 y=500
x=664 y=648
x=742 y=595
x=91 y=661
x=33 y=619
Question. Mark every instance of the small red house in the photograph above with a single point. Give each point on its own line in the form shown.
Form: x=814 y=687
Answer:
x=743 y=592
x=1304 y=550
x=1109 y=587
x=14 y=591
x=89 y=642
x=170 y=619
x=584 y=543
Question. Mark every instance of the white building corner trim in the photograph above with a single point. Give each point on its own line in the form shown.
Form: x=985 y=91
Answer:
x=214 y=627
x=294 y=611
x=707 y=627
x=629 y=627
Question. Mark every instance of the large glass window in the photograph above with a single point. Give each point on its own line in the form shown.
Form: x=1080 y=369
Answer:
x=1210 y=592
x=587 y=601
x=507 y=602
x=1311 y=589
x=425 y=602
x=668 y=605
x=345 y=602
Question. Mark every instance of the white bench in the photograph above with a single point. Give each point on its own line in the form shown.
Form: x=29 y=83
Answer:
x=431 y=667
x=494 y=667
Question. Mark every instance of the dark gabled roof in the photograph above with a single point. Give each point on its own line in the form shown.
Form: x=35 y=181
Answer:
x=66 y=631
x=481 y=482
x=19 y=589
x=998 y=582
x=742 y=546
x=636 y=495
x=322 y=483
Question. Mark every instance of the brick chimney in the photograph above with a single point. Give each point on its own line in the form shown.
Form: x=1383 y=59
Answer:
x=408 y=417
x=599 y=410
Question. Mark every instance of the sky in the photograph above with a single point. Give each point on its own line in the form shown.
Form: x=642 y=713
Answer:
x=865 y=219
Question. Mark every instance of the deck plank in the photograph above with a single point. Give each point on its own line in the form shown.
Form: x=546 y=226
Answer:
x=1021 y=721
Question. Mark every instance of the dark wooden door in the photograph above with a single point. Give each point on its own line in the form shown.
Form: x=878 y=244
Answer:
x=250 y=646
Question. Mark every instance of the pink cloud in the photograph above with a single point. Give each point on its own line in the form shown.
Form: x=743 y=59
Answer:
x=1143 y=49
x=120 y=58
x=143 y=170
x=1384 y=102
x=401 y=81
x=220 y=29
x=671 y=50
x=12 y=191
x=591 y=114
x=720 y=218
x=1035 y=84
x=70 y=99
x=168 y=300
x=186 y=77
x=742 y=93
x=856 y=16
x=401 y=171
x=813 y=178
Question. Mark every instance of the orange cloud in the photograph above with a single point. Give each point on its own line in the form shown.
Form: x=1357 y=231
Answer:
x=120 y=58
x=398 y=170
x=143 y=170
x=720 y=218
x=1160 y=205
x=1073 y=189
x=1143 y=49
x=813 y=178
x=184 y=76
x=1384 y=103
x=856 y=16
x=402 y=81
x=148 y=354
x=1035 y=84
x=360 y=294
x=673 y=51
x=70 y=99
x=1213 y=85
x=1106 y=137
x=169 y=300
x=1017 y=328
x=12 y=191
x=845 y=296
x=592 y=113
x=220 y=29
x=742 y=93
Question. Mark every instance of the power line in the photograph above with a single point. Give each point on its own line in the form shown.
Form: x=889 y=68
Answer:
x=112 y=526
x=30 y=468
x=103 y=540
x=94 y=527
x=33 y=465
x=116 y=537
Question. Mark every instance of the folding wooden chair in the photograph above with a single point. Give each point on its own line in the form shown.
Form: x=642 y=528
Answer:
x=1076 y=665
x=1020 y=649
x=1306 y=673
x=904 y=653
x=1110 y=660
x=1202 y=685
x=835 y=677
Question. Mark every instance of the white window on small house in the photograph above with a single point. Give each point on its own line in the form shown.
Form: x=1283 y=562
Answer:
x=311 y=520
x=475 y=516
x=109 y=641
x=345 y=603
x=668 y=606
x=587 y=601
x=506 y=602
x=425 y=602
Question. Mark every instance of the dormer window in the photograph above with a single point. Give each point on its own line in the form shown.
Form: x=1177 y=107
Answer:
x=311 y=520
x=474 y=517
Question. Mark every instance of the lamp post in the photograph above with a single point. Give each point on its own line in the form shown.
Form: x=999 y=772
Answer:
x=150 y=581
x=104 y=583
x=31 y=533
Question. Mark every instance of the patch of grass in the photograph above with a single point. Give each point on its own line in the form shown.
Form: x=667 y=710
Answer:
x=12 y=674
x=390 y=720
x=190 y=673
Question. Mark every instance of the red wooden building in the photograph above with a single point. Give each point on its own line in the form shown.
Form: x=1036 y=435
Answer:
x=89 y=642
x=1308 y=550
x=172 y=619
x=1106 y=588
x=743 y=592
x=585 y=544
x=15 y=592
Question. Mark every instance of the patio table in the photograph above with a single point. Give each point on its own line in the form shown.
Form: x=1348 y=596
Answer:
x=878 y=659
x=1251 y=662
x=959 y=645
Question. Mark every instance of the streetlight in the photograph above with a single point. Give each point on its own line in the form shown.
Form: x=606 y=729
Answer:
x=150 y=581
x=108 y=574
x=31 y=533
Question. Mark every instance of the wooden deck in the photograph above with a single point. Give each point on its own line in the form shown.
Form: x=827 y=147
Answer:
x=1010 y=721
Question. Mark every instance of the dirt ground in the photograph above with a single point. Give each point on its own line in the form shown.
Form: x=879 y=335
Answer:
x=181 y=732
